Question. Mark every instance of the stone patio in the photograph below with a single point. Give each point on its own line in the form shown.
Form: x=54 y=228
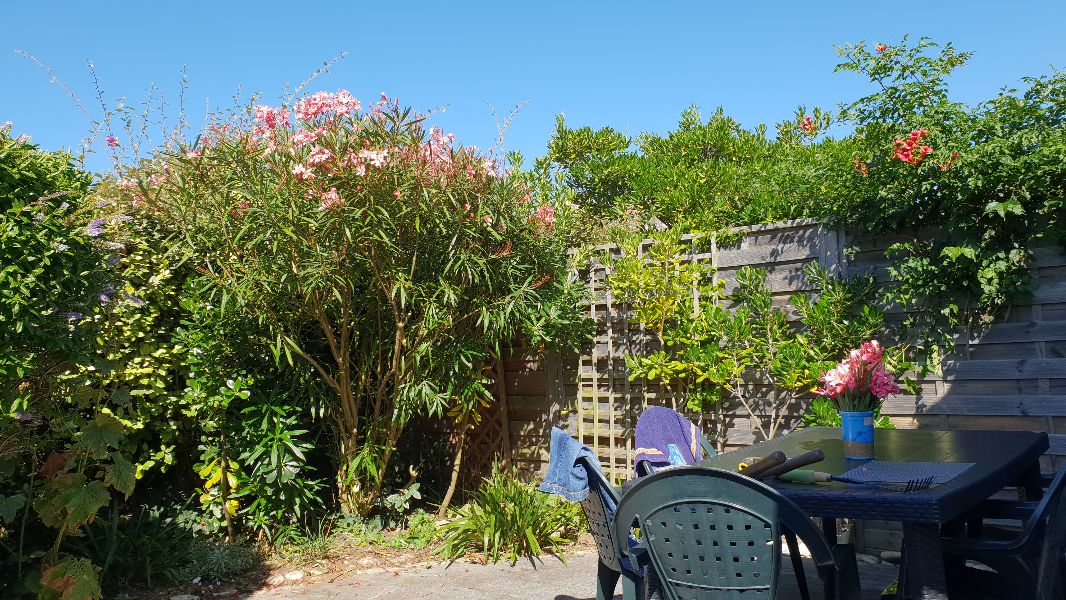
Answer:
x=550 y=580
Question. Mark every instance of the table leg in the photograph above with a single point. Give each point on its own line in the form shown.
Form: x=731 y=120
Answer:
x=922 y=573
x=1030 y=482
x=829 y=529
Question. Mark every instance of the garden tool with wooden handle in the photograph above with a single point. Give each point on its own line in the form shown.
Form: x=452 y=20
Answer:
x=756 y=468
x=807 y=458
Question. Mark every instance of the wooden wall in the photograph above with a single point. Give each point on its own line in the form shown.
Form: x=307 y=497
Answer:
x=1012 y=376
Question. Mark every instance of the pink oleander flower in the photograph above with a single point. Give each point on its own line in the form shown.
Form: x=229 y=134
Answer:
x=112 y=142
x=545 y=216
x=191 y=154
x=376 y=158
x=302 y=173
x=331 y=199
x=807 y=125
x=344 y=102
x=318 y=156
x=306 y=136
x=270 y=118
x=881 y=48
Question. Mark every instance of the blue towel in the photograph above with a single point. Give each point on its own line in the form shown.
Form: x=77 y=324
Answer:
x=565 y=477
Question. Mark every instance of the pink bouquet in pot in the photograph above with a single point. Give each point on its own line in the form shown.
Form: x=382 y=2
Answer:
x=860 y=382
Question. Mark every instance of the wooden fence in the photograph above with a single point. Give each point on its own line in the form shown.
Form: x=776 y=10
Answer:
x=1011 y=376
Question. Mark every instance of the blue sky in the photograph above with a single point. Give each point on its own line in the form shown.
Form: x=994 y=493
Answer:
x=631 y=65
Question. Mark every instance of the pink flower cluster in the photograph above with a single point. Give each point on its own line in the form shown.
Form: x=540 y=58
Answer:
x=861 y=374
x=545 y=216
x=268 y=118
x=909 y=151
x=323 y=103
x=807 y=125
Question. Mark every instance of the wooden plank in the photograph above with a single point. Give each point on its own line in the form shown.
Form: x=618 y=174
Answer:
x=1057 y=441
x=1014 y=405
x=1028 y=331
x=1026 y=368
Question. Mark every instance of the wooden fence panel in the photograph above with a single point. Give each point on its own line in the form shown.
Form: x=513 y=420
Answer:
x=1012 y=375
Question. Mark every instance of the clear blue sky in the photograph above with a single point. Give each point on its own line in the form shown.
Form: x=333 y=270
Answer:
x=631 y=65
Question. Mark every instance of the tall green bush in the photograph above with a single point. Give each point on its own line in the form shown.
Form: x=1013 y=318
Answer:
x=972 y=188
x=388 y=259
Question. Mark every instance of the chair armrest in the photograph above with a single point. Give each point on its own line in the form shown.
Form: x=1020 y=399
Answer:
x=644 y=468
x=708 y=448
x=973 y=547
x=1004 y=509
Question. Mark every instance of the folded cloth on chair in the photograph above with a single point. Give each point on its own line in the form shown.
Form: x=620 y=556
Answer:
x=665 y=438
x=572 y=481
x=565 y=477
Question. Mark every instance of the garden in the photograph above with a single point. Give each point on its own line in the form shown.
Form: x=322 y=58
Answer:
x=268 y=341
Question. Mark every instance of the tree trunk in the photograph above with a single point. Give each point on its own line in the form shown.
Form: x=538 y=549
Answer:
x=456 y=466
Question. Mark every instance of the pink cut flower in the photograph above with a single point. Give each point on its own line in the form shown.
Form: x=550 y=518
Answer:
x=861 y=374
x=302 y=173
x=356 y=163
x=871 y=351
x=112 y=142
x=881 y=383
x=331 y=199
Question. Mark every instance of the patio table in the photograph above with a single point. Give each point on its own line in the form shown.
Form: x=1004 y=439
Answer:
x=1000 y=458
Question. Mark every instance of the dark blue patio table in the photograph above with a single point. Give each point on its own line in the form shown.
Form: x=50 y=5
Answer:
x=1000 y=458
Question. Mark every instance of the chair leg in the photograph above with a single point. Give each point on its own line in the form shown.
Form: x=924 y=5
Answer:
x=631 y=586
x=606 y=581
x=797 y=565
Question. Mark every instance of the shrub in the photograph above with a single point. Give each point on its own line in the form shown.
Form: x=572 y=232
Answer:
x=510 y=518
x=389 y=260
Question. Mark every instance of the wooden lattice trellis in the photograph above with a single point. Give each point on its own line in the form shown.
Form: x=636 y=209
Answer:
x=608 y=402
x=490 y=439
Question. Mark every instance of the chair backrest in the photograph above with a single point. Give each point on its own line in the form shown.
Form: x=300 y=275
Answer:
x=664 y=436
x=1051 y=515
x=598 y=507
x=714 y=534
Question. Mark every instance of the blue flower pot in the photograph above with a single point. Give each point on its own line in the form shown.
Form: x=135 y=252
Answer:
x=857 y=430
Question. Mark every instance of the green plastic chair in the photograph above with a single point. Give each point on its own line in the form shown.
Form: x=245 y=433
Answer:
x=1030 y=566
x=713 y=534
x=601 y=495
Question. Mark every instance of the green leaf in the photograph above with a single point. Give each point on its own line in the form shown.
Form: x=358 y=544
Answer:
x=69 y=501
x=120 y=475
x=71 y=579
x=104 y=432
x=9 y=506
